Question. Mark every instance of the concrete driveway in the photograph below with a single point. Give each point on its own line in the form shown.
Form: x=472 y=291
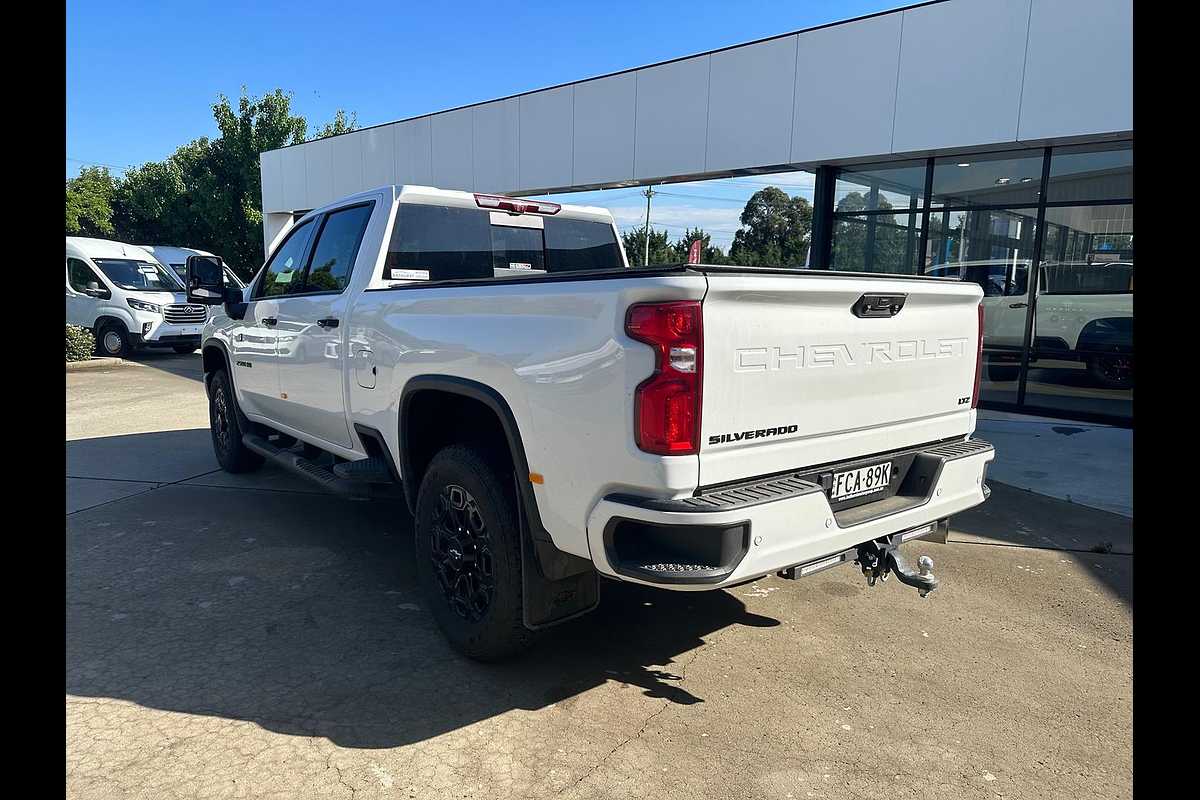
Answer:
x=244 y=636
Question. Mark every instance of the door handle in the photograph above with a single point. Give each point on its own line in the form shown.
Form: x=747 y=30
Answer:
x=270 y=322
x=1018 y=305
x=328 y=322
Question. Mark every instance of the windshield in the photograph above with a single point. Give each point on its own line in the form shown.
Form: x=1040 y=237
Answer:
x=139 y=275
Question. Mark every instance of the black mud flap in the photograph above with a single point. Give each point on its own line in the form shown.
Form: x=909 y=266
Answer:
x=556 y=586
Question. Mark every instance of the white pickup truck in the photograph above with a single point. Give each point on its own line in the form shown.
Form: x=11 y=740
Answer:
x=551 y=415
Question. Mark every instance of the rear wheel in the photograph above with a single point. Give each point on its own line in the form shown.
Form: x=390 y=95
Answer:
x=469 y=554
x=112 y=340
x=1111 y=371
x=225 y=424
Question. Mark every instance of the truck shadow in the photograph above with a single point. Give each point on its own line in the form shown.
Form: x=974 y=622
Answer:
x=299 y=612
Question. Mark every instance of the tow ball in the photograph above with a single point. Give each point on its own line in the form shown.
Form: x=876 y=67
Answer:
x=881 y=557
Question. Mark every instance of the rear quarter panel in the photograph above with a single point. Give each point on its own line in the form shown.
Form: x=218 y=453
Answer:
x=557 y=353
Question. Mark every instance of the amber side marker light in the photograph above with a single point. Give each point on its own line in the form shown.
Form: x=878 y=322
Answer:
x=536 y=477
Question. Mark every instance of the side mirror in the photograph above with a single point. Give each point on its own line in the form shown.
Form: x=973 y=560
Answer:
x=205 y=280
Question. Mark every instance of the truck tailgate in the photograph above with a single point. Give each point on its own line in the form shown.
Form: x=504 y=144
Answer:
x=794 y=378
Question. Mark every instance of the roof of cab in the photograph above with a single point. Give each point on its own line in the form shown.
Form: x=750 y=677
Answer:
x=104 y=248
x=431 y=195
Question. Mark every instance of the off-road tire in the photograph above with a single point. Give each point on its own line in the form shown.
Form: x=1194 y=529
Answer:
x=465 y=505
x=225 y=423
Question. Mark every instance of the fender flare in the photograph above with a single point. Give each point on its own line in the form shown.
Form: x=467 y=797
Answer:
x=499 y=406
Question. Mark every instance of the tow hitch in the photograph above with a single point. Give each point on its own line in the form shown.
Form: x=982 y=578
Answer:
x=881 y=557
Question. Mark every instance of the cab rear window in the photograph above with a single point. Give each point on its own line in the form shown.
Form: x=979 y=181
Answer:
x=440 y=243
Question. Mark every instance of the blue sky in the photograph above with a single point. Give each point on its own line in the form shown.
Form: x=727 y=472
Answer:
x=141 y=77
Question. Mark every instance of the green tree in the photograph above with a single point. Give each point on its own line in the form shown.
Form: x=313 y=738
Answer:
x=338 y=125
x=708 y=253
x=89 y=203
x=635 y=243
x=873 y=242
x=775 y=231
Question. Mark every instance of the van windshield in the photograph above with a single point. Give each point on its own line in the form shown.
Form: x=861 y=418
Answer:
x=139 y=275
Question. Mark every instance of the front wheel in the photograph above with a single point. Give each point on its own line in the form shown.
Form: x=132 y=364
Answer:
x=468 y=547
x=112 y=340
x=224 y=422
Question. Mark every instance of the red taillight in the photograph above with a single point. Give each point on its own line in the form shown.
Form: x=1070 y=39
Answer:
x=515 y=206
x=666 y=416
x=978 y=361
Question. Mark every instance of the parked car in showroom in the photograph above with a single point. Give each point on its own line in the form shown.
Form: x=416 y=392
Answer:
x=128 y=299
x=1084 y=314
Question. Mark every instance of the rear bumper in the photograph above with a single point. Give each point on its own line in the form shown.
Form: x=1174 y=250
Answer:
x=733 y=535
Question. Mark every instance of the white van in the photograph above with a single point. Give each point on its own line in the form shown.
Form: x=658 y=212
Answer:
x=176 y=258
x=128 y=299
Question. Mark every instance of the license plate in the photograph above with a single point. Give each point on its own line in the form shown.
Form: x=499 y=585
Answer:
x=862 y=481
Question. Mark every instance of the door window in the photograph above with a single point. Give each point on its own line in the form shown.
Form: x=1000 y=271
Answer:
x=284 y=273
x=81 y=277
x=336 y=248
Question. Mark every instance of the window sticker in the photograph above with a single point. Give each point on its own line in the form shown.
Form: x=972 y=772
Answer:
x=519 y=265
x=285 y=277
x=408 y=274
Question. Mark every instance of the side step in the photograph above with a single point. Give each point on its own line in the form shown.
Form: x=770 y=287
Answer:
x=320 y=475
x=366 y=470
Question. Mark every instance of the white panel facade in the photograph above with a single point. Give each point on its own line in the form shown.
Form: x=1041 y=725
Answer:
x=453 y=145
x=944 y=77
x=414 y=152
x=546 y=138
x=379 y=156
x=960 y=74
x=348 y=163
x=604 y=130
x=294 y=166
x=271 y=174
x=750 y=105
x=846 y=90
x=1078 y=70
x=318 y=160
x=495 y=128
x=672 y=118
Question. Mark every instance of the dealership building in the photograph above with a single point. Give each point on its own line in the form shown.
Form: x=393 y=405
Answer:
x=985 y=140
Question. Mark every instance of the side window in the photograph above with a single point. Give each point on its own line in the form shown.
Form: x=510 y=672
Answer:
x=81 y=277
x=581 y=245
x=284 y=273
x=336 y=248
x=438 y=243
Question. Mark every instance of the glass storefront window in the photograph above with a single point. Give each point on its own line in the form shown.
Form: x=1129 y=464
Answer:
x=991 y=179
x=877 y=243
x=899 y=186
x=1082 y=354
x=979 y=223
x=1091 y=172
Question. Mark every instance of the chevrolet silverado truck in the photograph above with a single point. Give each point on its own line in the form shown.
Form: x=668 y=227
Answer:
x=551 y=416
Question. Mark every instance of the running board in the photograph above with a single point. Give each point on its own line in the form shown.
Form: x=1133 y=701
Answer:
x=299 y=465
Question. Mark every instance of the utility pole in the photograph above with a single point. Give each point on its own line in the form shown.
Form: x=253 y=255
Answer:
x=646 y=253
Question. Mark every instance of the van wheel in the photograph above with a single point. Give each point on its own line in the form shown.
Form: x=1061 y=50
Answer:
x=112 y=340
x=225 y=423
x=469 y=555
